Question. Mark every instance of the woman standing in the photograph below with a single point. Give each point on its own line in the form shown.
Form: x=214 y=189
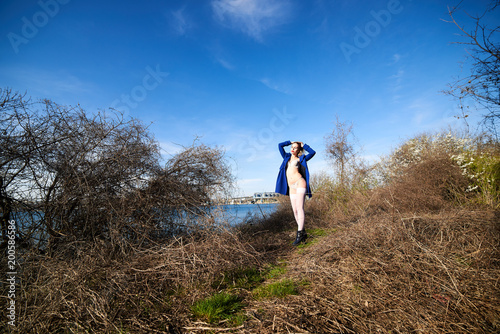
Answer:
x=293 y=180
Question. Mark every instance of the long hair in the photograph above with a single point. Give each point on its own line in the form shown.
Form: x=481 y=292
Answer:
x=301 y=148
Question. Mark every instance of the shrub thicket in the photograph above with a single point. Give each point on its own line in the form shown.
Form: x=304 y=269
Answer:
x=396 y=248
x=70 y=177
x=425 y=173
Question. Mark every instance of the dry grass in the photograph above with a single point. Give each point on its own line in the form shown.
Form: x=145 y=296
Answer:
x=432 y=273
x=150 y=290
x=407 y=258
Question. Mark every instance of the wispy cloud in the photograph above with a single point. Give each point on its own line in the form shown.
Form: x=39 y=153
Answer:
x=179 y=21
x=395 y=58
x=398 y=76
x=272 y=85
x=226 y=64
x=252 y=17
x=396 y=85
x=428 y=112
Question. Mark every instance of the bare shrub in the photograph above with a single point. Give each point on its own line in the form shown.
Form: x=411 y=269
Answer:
x=178 y=198
x=483 y=50
x=333 y=202
x=417 y=149
x=422 y=174
x=71 y=177
x=71 y=166
x=433 y=184
x=343 y=191
x=340 y=148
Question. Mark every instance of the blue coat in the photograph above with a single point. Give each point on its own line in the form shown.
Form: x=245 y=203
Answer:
x=281 y=183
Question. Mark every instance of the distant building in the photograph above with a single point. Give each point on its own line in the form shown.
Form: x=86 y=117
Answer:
x=265 y=195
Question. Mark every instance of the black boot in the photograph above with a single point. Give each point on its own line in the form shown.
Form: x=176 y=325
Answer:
x=301 y=237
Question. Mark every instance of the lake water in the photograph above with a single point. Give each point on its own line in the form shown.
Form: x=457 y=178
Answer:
x=237 y=213
x=226 y=214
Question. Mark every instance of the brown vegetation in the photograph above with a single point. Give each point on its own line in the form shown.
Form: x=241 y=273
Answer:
x=410 y=245
x=403 y=258
x=80 y=177
x=435 y=273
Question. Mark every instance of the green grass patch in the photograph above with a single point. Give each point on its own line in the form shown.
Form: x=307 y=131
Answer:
x=249 y=278
x=219 y=307
x=317 y=232
x=275 y=271
x=241 y=278
x=277 y=289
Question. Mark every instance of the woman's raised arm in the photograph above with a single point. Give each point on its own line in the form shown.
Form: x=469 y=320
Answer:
x=281 y=147
x=310 y=152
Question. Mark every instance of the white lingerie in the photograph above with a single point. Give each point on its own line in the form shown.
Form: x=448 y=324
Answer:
x=294 y=164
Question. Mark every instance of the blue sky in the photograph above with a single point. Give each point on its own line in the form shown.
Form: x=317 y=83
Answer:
x=244 y=74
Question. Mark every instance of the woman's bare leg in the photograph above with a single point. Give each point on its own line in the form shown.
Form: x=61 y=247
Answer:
x=297 y=197
x=293 y=201
x=299 y=208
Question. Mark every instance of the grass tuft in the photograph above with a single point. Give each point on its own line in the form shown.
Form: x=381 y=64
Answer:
x=242 y=278
x=278 y=289
x=275 y=271
x=217 y=307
